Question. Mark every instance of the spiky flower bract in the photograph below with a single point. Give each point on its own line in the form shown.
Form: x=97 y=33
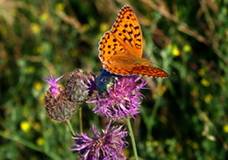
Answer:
x=79 y=86
x=121 y=100
x=57 y=105
x=106 y=145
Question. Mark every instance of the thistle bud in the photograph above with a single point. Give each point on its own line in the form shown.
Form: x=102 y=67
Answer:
x=79 y=86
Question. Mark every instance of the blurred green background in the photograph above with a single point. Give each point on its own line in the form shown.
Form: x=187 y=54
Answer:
x=182 y=117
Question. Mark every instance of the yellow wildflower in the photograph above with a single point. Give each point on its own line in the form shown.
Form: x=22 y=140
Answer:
x=175 y=51
x=44 y=17
x=40 y=141
x=35 y=28
x=205 y=82
x=187 y=48
x=104 y=27
x=225 y=128
x=37 y=86
x=208 y=98
x=25 y=126
x=59 y=7
x=202 y=71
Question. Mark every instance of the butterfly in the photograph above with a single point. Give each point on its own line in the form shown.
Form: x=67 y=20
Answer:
x=121 y=48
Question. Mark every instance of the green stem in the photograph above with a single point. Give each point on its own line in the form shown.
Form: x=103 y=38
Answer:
x=80 y=120
x=132 y=138
x=70 y=127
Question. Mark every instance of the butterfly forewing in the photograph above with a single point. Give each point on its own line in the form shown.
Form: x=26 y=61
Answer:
x=109 y=46
x=127 y=30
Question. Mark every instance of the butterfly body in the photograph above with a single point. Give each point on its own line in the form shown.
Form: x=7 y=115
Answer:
x=121 y=48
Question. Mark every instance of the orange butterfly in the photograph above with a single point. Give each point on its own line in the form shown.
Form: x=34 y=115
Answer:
x=121 y=48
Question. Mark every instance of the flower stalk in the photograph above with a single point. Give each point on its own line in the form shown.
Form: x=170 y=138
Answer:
x=132 y=138
x=80 y=120
x=70 y=127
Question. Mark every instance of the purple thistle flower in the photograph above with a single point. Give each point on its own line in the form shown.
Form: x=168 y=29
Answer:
x=54 y=87
x=121 y=100
x=106 y=145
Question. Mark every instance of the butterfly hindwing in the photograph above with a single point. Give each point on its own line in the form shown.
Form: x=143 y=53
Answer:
x=131 y=65
x=149 y=71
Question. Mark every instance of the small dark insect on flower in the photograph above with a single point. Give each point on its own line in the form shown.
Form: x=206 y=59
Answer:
x=57 y=105
x=79 y=86
x=104 y=80
x=121 y=100
x=106 y=145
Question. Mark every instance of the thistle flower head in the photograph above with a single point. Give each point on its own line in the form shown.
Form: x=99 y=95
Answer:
x=106 y=145
x=121 y=100
x=79 y=86
x=57 y=105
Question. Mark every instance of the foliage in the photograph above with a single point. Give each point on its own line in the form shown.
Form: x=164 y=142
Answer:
x=182 y=117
